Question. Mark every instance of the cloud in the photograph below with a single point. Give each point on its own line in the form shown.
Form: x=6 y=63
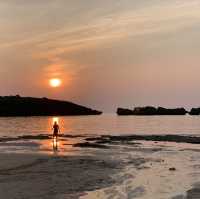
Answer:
x=64 y=38
x=157 y=19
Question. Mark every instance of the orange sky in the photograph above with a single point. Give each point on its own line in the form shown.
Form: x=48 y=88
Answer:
x=107 y=53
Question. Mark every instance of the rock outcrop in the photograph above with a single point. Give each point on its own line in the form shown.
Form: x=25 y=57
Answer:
x=150 y=110
x=30 y=106
x=175 y=111
x=195 y=111
x=122 y=111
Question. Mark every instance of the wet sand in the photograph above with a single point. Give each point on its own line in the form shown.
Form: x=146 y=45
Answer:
x=99 y=167
x=40 y=176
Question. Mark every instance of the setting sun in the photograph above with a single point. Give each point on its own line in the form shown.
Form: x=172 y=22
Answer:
x=55 y=82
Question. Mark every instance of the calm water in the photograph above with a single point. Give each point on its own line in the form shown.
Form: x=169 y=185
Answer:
x=103 y=124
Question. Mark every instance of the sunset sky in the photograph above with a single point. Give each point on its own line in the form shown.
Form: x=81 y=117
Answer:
x=107 y=53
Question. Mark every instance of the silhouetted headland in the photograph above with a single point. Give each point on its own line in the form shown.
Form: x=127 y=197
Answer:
x=30 y=106
x=150 y=110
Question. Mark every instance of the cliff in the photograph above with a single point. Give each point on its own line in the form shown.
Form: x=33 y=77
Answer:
x=30 y=106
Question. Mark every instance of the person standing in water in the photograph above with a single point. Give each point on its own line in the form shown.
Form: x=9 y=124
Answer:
x=56 y=129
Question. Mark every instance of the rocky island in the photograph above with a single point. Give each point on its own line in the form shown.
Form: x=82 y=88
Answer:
x=31 y=106
x=150 y=110
x=195 y=111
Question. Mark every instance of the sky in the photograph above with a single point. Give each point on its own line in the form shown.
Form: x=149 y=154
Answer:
x=107 y=53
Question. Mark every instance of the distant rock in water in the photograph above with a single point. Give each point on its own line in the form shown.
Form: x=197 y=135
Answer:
x=29 y=106
x=150 y=110
x=195 y=111
x=175 y=111
x=122 y=111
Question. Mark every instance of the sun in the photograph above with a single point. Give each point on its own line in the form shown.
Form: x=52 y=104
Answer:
x=55 y=82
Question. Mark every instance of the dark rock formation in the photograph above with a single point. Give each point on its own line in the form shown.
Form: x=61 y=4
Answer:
x=90 y=145
x=159 y=138
x=195 y=111
x=172 y=169
x=175 y=111
x=149 y=110
x=29 y=106
x=122 y=111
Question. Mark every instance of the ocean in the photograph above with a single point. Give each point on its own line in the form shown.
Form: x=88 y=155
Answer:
x=83 y=164
x=99 y=125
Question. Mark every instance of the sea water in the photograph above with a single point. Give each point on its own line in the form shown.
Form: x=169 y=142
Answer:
x=101 y=124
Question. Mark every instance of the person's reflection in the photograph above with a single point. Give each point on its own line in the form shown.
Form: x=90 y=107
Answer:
x=56 y=130
x=55 y=144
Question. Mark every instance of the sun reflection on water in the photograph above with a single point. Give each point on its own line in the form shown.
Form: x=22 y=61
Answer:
x=62 y=145
x=55 y=143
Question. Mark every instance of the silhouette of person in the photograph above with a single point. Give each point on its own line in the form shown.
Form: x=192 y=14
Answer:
x=56 y=129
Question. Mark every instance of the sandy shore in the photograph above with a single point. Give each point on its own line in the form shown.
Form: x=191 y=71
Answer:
x=98 y=167
x=41 y=176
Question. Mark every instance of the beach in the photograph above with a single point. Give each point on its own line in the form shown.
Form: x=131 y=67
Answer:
x=89 y=167
x=99 y=99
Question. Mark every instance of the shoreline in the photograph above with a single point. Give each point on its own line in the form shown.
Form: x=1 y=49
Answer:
x=106 y=139
x=82 y=167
